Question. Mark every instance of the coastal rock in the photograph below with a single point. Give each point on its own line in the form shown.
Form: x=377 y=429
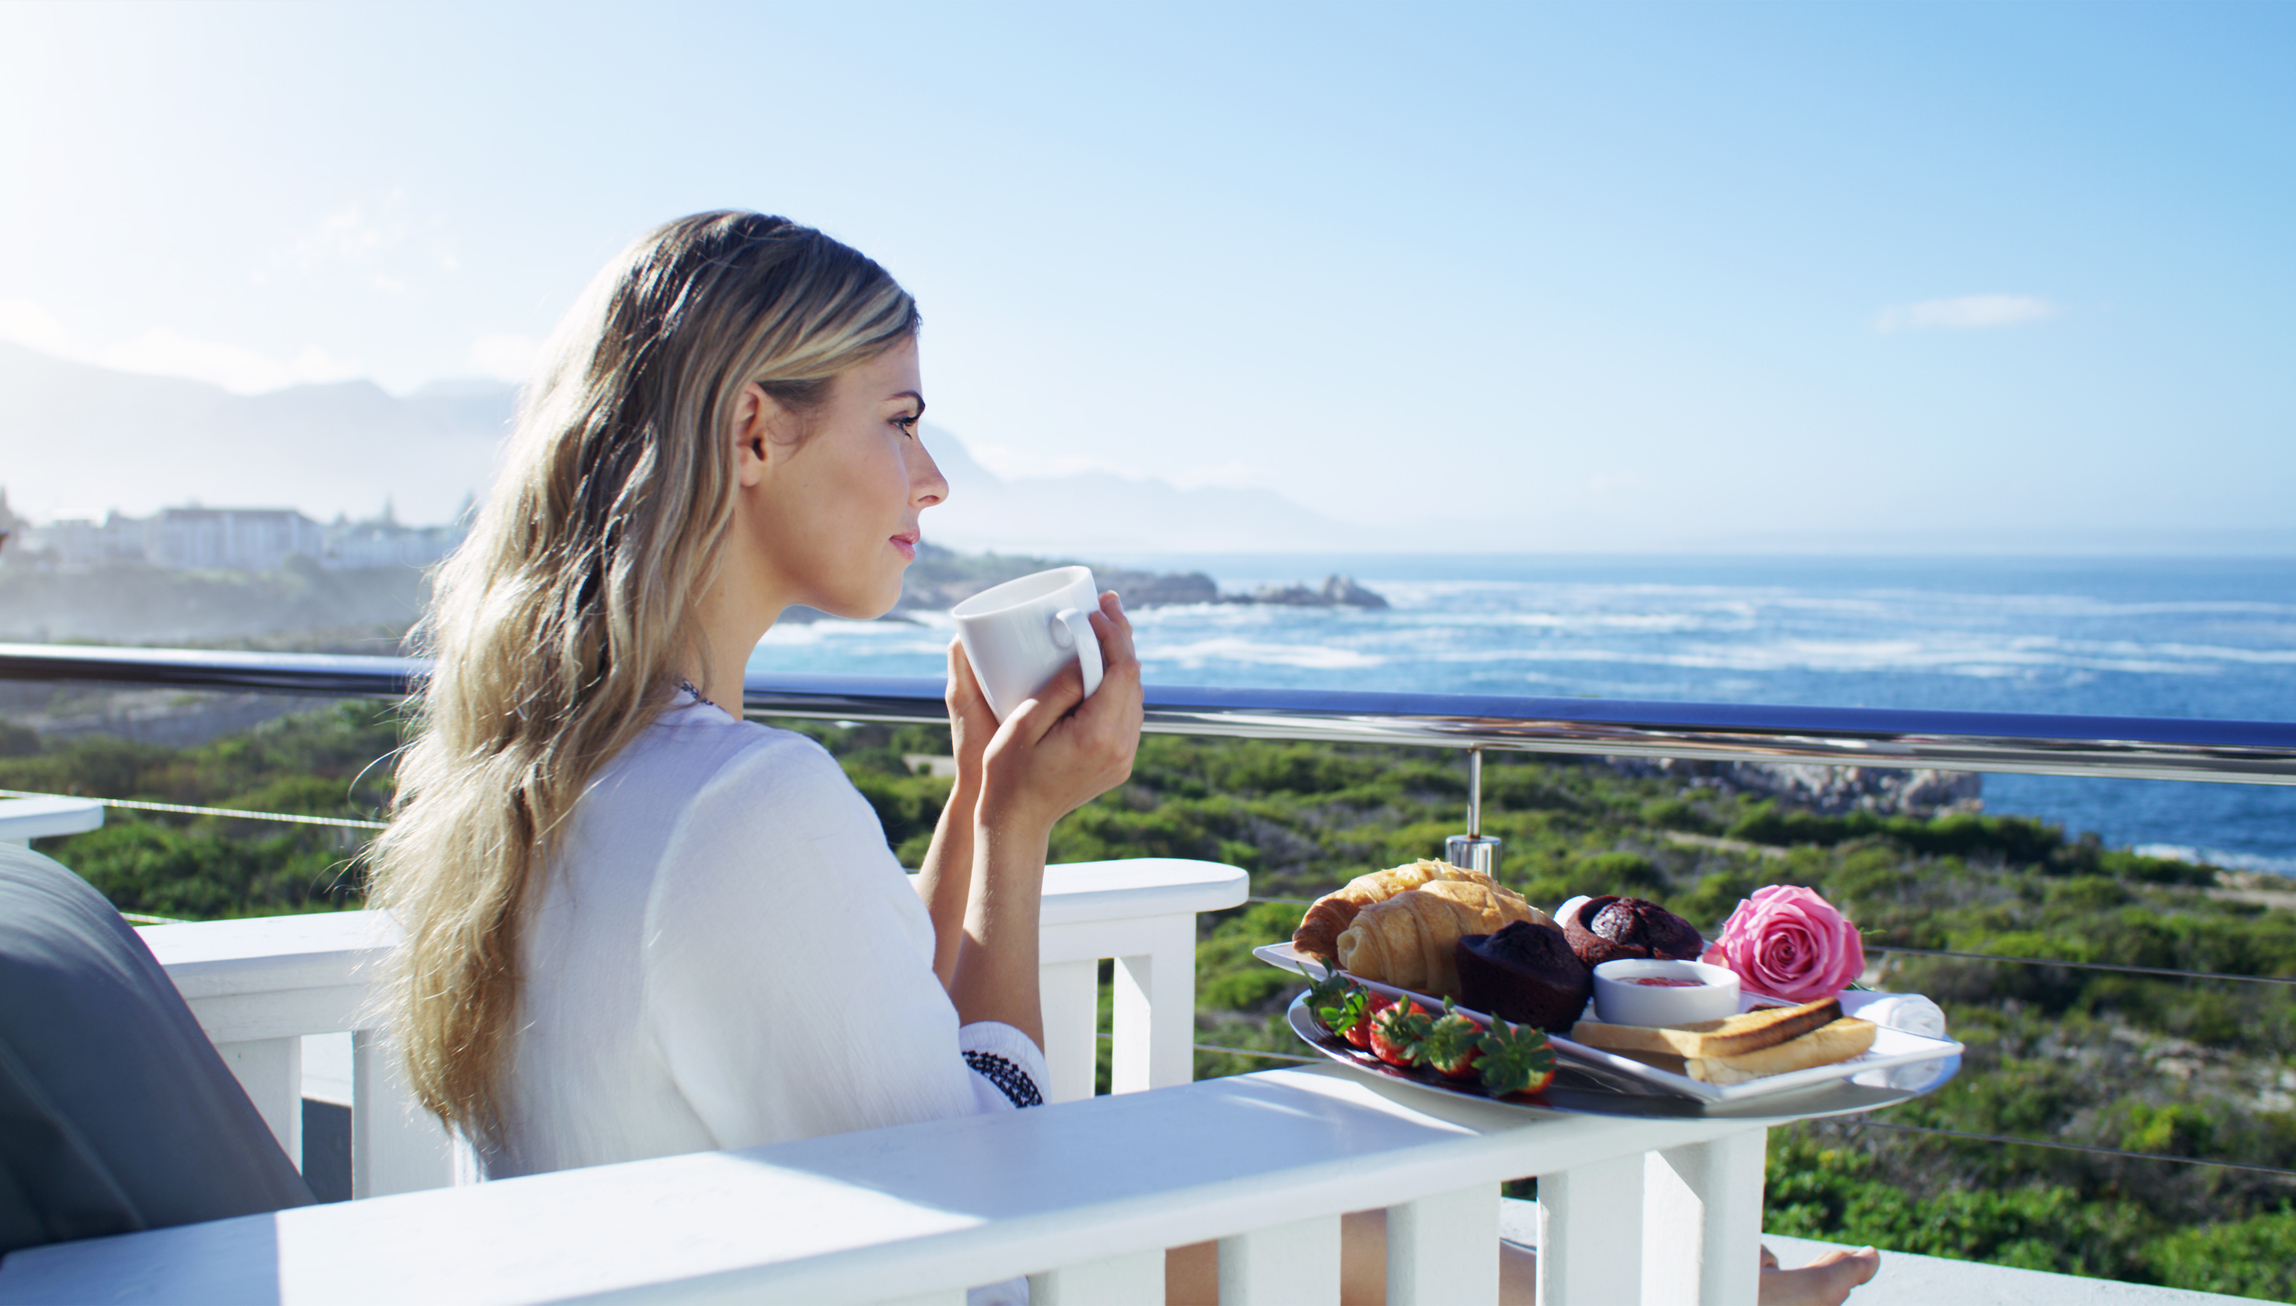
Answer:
x=1337 y=592
x=941 y=578
x=1827 y=790
x=1143 y=589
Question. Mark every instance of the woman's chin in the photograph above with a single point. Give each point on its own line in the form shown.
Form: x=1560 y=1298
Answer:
x=861 y=607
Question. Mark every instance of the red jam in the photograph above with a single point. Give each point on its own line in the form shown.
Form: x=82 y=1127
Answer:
x=1663 y=982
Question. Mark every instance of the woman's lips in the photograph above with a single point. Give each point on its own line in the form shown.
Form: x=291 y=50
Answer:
x=907 y=544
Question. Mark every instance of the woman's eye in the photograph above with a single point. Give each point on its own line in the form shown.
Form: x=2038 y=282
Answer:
x=908 y=425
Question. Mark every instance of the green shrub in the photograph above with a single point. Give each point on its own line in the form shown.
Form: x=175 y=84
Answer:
x=2255 y=1257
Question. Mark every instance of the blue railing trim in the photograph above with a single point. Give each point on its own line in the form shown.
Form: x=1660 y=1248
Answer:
x=2259 y=752
x=1743 y=718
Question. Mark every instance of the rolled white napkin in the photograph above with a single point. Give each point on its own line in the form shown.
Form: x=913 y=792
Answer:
x=1910 y=1012
x=1568 y=912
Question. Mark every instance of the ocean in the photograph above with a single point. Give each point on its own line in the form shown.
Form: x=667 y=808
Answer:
x=2173 y=637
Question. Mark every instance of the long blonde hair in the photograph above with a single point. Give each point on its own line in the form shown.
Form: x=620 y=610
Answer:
x=560 y=626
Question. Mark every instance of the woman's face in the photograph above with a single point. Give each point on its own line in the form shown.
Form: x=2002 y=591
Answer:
x=830 y=503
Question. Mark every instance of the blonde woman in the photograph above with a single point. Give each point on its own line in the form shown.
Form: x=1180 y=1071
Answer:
x=638 y=925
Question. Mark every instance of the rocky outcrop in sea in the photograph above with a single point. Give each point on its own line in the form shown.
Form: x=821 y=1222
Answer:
x=941 y=578
x=1336 y=592
x=1827 y=790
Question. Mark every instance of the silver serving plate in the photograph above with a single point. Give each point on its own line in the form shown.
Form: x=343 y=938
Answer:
x=1898 y=1061
x=1593 y=1090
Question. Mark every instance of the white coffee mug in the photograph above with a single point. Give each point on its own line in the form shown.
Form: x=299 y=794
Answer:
x=1020 y=634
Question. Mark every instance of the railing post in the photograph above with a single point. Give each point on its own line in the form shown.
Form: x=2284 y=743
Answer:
x=271 y=1070
x=1444 y=1248
x=1071 y=995
x=1702 y=1221
x=1155 y=1017
x=1134 y=1280
x=1590 y=1234
x=396 y=1146
x=1294 y=1264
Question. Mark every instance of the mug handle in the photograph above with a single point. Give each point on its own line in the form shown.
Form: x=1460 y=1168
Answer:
x=1077 y=627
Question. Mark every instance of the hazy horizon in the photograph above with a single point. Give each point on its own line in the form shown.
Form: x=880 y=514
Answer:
x=1598 y=277
x=450 y=428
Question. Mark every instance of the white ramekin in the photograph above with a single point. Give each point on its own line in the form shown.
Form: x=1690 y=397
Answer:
x=1618 y=1002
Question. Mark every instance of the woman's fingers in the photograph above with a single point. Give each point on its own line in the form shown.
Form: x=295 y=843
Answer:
x=1038 y=715
x=971 y=723
x=1059 y=750
x=964 y=695
x=1120 y=664
x=1115 y=631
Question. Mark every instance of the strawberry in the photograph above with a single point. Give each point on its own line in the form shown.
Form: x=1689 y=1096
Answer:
x=1396 y=1029
x=1452 y=1045
x=1347 y=1014
x=1516 y=1059
x=1361 y=1007
x=1329 y=991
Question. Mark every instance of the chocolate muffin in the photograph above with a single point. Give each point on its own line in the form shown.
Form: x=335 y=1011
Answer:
x=1524 y=972
x=1611 y=928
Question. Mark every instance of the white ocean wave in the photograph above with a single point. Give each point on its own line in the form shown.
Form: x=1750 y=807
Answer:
x=1731 y=636
x=1314 y=657
x=1818 y=655
x=2218 y=857
x=876 y=637
x=1877 y=602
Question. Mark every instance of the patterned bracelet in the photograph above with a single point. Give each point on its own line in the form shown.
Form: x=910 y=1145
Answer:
x=1010 y=1080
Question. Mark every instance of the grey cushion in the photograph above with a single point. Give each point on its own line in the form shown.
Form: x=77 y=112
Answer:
x=116 y=1113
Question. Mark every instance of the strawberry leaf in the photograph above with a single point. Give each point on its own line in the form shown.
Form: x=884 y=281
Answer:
x=1516 y=1059
x=1351 y=1008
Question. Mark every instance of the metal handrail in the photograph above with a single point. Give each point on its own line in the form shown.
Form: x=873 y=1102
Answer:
x=2157 y=748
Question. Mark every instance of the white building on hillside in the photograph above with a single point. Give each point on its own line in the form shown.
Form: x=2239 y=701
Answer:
x=230 y=539
x=193 y=538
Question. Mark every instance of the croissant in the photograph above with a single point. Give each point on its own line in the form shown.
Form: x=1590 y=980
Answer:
x=1318 y=934
x=1409 y=940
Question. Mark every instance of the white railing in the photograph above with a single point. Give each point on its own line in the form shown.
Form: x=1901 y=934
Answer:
x=258 y=986
x=1083 y=1196
x=24 y=819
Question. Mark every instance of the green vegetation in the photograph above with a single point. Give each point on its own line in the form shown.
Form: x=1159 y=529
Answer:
x=320 y=763
x=2183 y=1067
x=2190 y=1068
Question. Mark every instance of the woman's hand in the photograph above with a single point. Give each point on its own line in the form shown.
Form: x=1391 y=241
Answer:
x=1060 y=750
x=1055 y=753
x=945 y=877
x=971 y=723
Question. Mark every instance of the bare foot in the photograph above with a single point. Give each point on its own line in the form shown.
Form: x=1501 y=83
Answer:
x=1826 y=1281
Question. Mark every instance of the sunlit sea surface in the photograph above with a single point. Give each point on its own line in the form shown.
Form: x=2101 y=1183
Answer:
x=2184 y=637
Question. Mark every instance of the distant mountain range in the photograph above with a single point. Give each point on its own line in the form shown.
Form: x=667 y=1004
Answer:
x=79 y=441
x=1103 y=513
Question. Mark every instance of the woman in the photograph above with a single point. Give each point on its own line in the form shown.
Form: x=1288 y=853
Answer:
x=637 y=925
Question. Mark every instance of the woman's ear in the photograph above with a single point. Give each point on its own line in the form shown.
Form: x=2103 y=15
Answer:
x=758 y=419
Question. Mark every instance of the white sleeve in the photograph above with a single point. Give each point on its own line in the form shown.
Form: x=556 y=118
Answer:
x=788 y=966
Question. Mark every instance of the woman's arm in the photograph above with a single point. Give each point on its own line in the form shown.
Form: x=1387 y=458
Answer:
x=1055 y=753
x=945 y=879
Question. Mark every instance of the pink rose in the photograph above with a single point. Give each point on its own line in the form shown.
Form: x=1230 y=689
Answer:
x=1789 y=943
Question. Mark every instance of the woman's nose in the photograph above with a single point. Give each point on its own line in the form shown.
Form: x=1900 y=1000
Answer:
x=926 y=484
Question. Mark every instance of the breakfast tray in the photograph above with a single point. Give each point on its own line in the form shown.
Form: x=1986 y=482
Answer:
x=1898 y=1061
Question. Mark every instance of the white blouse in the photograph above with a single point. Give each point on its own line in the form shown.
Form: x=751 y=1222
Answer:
x=723 y=953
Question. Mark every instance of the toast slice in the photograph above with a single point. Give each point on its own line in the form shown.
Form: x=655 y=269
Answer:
x=1837 y=1041
x=1731 y=1036
x=1823 y=1046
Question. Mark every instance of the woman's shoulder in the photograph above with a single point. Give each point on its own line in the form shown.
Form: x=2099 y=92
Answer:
x=689 y=751
x=757 y=815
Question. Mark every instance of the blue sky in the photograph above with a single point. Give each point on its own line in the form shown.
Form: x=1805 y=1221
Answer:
x=1534 y=276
